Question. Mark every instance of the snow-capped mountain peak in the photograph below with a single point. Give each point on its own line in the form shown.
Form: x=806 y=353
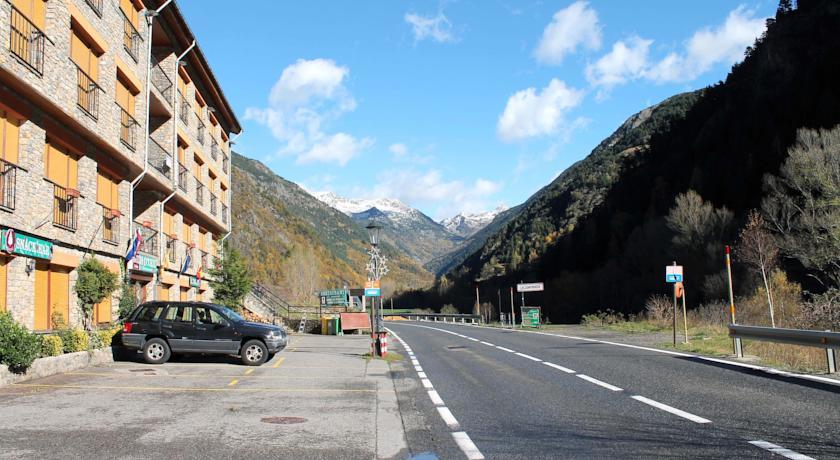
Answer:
x=465 y=224
x=352 y=206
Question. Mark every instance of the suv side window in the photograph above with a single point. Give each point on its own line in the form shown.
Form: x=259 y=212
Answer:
x=179 y=313
x=150 y=313
x=206 y=315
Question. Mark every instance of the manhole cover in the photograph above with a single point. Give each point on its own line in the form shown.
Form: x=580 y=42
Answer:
x=283 y=420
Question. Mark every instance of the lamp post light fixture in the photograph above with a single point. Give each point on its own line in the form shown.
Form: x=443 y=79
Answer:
x=374 y=229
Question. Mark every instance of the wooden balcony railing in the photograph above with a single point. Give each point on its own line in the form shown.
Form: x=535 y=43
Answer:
x=128 y=129
x=87 y=93
x=65 y=207
x=27 y=41
x=8 y=178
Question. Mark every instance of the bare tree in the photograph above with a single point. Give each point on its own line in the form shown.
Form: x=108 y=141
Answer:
x=696 y=222
x=301 y=275
x=757 y=248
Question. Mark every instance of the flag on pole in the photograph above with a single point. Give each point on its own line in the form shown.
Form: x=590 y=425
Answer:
x=186 y=265
x=135 y=246
x=199 y=273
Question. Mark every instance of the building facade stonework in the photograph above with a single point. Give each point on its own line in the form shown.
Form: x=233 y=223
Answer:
x=105 y=134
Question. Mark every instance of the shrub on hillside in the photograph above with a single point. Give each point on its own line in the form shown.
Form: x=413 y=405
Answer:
x=602 y=318
x=18 y=346
x=449 y=309
x=659 y=308
x=51 y=345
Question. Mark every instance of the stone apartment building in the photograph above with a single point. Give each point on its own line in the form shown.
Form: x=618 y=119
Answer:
x=111 y=122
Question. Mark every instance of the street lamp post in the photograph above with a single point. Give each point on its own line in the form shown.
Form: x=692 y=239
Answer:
x=376 y=268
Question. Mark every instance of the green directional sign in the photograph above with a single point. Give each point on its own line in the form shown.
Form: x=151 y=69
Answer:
x=530 y=316
x=335 y=298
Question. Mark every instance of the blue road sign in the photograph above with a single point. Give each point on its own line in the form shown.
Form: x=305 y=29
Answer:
x=372 y=292
x=673 y=278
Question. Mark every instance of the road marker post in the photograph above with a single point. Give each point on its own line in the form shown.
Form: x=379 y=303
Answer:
x=736 y=342
x=512 y=314
x=674 y=275
x=680 y=291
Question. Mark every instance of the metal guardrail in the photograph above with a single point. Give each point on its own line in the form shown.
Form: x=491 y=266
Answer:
x=804 y=337
x=437 y=317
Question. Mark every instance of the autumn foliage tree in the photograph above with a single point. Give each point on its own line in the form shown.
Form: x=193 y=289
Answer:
x=757 y=249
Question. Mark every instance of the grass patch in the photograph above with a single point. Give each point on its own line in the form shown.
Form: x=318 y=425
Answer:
x=636 y=327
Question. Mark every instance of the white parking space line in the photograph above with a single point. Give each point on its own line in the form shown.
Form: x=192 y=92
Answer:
x=559 y=367
x=488 y=344
x=787 y=453
x=528 y=357
x=673 y=410
x=599 y=382
x=435 y=397
x=448 y=418
x=465 y=443
x=505 y=349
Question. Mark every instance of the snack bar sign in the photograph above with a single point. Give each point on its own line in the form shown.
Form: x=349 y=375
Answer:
x=25 y=245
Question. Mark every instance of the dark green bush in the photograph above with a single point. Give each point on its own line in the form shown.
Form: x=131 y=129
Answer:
x=18 y=346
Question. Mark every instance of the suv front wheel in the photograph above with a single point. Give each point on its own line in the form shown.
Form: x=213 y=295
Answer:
x=156 y=351
x=254 y=353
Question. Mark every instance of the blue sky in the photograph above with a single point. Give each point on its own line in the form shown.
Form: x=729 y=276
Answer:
x=454 y=106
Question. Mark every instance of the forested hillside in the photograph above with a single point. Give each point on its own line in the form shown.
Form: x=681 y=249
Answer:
x=675 y=182
x=297 y=244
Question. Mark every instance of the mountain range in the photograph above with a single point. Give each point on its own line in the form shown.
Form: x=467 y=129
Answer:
x=467 y=224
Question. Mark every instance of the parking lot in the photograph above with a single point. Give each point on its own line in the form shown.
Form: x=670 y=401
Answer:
x=317 y=399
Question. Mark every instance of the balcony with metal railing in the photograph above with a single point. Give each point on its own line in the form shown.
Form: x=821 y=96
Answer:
x=8 y=178
x=27 y=41
x=161 y=81
x=201 y=130
x=183 y=177
x=170 y=249
x=150 y=238
x=96 y=6
x=224 y=214
x=204 y=259
x=110 y=226
x=128 y=129
x=225 y=163
x=87 y=93
x=65 y=207
x=131 y=38
x=184 y=109
x=199 y=192
x=160 y=158
x=214 y=149
x=213 y=204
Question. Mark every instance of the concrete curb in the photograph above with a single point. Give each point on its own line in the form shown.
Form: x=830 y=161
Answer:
x=52 y=365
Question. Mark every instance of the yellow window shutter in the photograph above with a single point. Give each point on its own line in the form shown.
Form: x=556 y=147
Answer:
x=167 y=223
x=60 y=292
x=115 y=195
x=10 y=137
x=57 y=166
x=103 y=190
x=42 y=283
x=72 y=172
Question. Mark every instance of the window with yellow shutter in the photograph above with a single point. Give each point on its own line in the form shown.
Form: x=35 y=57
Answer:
x=86 y=58
x=61 y=168
x=108 y=196
x=128 y=124
x=9 y=144
x=131 y=37
x=26 y=37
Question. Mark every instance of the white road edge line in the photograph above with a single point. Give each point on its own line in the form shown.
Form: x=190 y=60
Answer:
x=600 y=383
x=787 y=453
x=448 y=418
x=559 y=367
x=528 y=357
x=467 y=446
x=673 y=410
x=462 y=439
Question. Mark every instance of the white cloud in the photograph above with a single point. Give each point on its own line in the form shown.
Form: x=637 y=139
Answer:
x=710 y=46
x=398 y=149
x=626 y=61
x=429 y=189
x=437 y=28
x=573 y=26
x=529 y=113
x=307 y=96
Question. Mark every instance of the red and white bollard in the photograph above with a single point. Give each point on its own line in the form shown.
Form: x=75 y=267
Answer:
x=379 y=344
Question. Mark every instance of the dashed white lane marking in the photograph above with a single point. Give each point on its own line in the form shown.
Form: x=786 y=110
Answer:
x=435 y=397
x=599 y=382
x=559 y=367
x=465 y=443
x=462 y=439
x=673 y=410
x=448 y=418
x=505 y=349
x=528 y=357
x=787 y=453
x=488 y=344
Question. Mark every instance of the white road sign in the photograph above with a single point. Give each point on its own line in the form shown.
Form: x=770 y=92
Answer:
x=529 y=287
x=673 y=273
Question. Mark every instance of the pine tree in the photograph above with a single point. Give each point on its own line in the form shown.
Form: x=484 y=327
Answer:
x=230 y=279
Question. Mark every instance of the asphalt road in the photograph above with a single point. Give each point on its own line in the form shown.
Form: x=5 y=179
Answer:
x=525 y=395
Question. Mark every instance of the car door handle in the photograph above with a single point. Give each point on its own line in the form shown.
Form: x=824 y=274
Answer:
x=166 y=326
